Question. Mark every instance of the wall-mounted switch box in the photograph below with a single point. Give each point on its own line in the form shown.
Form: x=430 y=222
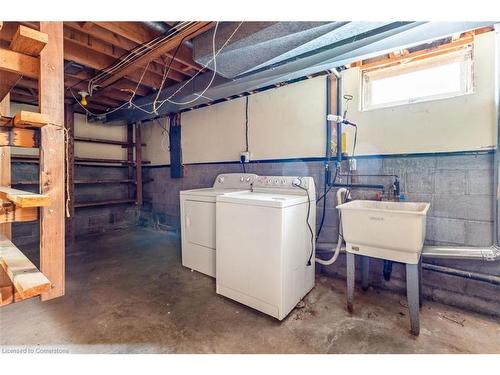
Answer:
x=244 y=157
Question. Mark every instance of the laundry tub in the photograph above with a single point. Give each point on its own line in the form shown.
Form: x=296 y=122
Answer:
x=385 y=230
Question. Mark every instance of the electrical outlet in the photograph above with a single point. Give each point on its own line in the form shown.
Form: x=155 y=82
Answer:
x=244 y=157
x=353 y=165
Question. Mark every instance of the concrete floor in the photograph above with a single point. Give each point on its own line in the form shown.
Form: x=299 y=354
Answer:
x=127 y=292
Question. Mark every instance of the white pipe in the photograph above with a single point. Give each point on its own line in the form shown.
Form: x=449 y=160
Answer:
x=332 y=260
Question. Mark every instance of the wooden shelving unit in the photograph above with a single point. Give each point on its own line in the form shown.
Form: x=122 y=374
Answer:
x=38 y=55
x=104 y=203
x=89 y=182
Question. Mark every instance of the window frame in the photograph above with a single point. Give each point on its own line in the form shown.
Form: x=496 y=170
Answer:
x=464 y=55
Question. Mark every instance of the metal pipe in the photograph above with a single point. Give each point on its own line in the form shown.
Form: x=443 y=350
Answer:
x=491 y=279
x=339 y=113
x=461 y=252
x=491 y=253
x=360 y=186
x=328 y=126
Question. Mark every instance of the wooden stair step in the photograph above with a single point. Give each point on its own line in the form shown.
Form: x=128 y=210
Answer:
x=28 y=281
x=28 y=41
x=24 y=199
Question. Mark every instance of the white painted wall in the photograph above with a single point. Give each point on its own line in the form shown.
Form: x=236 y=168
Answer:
x=157 y=143
x=112 y=130
x=289 y=122
x=462 y=123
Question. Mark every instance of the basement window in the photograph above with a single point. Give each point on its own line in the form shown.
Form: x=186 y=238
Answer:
x=431 y=78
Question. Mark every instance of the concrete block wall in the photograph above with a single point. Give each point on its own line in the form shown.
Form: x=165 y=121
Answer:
x=89 y=220
x=459 y=188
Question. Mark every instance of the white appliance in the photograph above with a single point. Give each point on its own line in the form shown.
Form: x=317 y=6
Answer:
x=385 y=230
x=265 y=244
x=198 y=220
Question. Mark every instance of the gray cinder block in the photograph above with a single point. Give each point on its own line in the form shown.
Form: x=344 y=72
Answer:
x=450 y=182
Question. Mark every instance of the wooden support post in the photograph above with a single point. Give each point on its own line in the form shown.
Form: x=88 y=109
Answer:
x=138 y=164
x=69 y=124
x=5 y=179
x=51 y=103
x=130 y=158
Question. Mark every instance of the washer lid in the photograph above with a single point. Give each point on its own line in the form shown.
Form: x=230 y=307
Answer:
x=208 y=192
x=263 y=199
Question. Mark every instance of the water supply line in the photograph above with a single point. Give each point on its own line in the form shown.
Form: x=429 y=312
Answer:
x=339 y=246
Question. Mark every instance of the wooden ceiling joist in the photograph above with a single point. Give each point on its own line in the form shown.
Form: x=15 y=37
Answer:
x=94 y=46
x=157 y=52
x=129 y=39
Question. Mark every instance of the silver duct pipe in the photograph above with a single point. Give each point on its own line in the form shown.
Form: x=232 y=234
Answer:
x=159 y=27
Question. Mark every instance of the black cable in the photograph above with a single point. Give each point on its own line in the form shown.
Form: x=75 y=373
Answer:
x=307 y=218
x=324 y=202
x=246 y=124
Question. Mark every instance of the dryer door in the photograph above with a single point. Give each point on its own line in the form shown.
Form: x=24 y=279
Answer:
x=200 y=223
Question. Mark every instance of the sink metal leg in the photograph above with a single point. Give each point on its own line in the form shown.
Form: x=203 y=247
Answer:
x=365 y=272
x=413 y=296
x=350 y=281
x=420 y=288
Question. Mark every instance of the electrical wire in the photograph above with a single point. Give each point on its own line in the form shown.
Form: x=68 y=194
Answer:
x=214 y=58
x=307 y=218
x=136 y=53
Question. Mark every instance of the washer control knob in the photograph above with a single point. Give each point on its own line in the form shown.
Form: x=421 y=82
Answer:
x=296 y=182
x=269 y=181
x=242 y=178
x=247 y=179
x=276 y=182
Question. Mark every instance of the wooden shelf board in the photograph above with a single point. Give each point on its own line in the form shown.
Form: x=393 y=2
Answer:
x=105 y=141
x=103 y=203
x=78 y=160
x=28 y=281
x=26 y=119
x=24 y=199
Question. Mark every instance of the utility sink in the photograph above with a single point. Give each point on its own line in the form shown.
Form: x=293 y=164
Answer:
x=386 y=230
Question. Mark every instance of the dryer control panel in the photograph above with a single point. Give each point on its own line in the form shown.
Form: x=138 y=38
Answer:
x=234 y=180
x=286 y=184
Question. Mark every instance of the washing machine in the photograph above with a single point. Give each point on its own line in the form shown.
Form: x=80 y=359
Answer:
x=198 y=220
x=266 y=243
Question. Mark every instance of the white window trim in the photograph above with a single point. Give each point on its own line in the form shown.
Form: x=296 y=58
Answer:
x=465 y=54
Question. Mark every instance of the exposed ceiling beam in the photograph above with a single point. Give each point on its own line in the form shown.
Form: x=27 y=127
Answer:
x=168 y=45
x=116 y=46
x=128 y=40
